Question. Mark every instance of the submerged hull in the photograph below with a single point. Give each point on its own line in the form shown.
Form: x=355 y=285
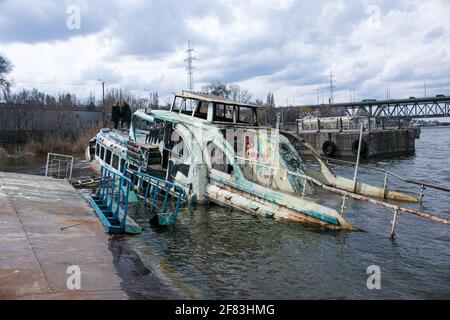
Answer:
x=206 y=184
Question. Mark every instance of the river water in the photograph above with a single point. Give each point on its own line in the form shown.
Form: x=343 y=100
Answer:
x=218 y=253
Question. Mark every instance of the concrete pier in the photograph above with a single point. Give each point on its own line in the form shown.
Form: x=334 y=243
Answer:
x=387 y=142
x=45 y=227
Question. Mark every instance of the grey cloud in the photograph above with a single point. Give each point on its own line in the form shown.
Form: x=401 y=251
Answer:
x=319 y=32
x=44 y=21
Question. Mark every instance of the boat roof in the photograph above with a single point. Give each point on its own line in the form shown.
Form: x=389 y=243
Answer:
x=211 y=98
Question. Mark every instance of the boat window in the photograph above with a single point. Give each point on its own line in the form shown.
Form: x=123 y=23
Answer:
x=201 y=110
x=102 y=152
x=122 y=164
x=97 y=149
x=177 y=104
x=108 y=156
x=188 y=106
x=219 y=160
x=246 y=115
x=115 y=162
x=219 y=111
x=223 y=113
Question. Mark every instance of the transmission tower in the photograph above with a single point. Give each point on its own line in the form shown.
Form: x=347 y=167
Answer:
x=190 y=67
x=331 y=82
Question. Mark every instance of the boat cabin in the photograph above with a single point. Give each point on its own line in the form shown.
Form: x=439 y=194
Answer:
x=214 y=109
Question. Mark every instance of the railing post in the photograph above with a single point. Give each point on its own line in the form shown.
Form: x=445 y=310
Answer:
x=344 y=199
x=125 y=209
x=177 y=207
x=155 y=195
x=113 y=188
x=421 y=195
x=357 y=158
x=394 y=225
x=385 y=188
x=105 y=199
x=166 y=196
x=46 y=167
x=149 y=184
x=119 y=200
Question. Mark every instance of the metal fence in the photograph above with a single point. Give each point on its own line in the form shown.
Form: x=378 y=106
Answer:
x=59 y=166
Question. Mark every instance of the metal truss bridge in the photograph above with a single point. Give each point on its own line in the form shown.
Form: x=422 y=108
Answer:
x=394 y=108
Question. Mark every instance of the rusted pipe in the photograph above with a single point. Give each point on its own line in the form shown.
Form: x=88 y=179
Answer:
x=394 y=225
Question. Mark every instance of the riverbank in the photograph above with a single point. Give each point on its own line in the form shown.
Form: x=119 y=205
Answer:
x=45 y=142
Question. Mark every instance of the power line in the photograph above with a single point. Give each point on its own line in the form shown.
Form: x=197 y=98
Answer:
x=51 y=84
x=190 y=66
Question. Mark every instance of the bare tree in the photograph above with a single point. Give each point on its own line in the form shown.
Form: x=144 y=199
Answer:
x=5 y=68
x=237 y=93
x=217 y=88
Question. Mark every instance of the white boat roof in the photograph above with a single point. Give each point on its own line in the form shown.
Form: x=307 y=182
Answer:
x=212 y=98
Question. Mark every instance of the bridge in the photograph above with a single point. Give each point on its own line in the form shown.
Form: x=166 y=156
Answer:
x=430 y=107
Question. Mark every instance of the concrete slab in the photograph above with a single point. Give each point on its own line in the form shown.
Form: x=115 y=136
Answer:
x=35 y=252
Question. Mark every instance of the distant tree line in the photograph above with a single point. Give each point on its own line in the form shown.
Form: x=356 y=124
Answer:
x=267 y=109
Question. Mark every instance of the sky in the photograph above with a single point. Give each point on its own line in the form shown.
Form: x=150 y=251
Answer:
x=286 y=47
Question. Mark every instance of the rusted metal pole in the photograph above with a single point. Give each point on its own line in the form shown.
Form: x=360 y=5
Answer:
x=344 y=198
x=385 y=185
x=394 y=225
x=357 y=158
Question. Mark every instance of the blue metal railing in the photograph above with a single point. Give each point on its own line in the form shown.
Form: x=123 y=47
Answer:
x=111 y=200
x=163 y=197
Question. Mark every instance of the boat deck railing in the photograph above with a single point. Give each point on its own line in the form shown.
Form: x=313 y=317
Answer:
x=111 y=200
x=423 y=185
x=164 y=198
x=346 y=194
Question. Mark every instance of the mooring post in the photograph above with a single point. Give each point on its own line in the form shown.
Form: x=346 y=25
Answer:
x=394 y=225
x=421 y=195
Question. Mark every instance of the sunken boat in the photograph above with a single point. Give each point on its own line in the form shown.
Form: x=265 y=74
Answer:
x=215 y=151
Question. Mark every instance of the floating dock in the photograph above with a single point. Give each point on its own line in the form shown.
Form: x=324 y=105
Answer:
x=47 y=231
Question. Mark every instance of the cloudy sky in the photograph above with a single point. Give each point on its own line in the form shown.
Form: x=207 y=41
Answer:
x=284 y=46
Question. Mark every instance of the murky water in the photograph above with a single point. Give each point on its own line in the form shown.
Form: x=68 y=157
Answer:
x=218 y=253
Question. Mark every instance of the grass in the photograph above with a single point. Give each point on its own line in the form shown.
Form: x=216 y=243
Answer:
x=3 y=154
x=64 y=143
x=39 y=145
